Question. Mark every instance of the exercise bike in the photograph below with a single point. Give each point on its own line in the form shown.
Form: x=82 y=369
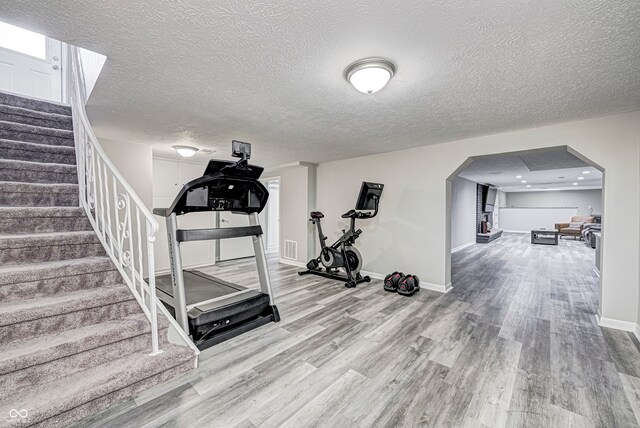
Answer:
x=342 y=254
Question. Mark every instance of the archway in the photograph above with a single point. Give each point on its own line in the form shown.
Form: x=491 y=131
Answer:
x=542 y=173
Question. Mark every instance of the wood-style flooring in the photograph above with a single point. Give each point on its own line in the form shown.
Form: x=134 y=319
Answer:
x=514 y=344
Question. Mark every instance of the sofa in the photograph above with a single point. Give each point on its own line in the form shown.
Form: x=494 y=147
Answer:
x=574 y=227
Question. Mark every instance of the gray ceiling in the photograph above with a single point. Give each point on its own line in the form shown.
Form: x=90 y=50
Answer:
x=270 y=72
x=544 y=169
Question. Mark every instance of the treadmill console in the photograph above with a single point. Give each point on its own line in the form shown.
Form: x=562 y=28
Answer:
x=225 y=186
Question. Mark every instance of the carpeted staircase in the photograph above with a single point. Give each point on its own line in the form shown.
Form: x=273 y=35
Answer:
x=73 y=340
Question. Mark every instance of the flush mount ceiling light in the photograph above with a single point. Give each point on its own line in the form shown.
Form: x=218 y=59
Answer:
x=369 y=75
x=518 y=176
x=586 y=172
x=186 y=151
x=580 y=178
x=523 y=181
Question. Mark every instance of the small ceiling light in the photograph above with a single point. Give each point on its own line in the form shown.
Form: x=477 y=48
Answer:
x=528 y=185
x=580 y=178
x=575 y=184
x=186 y=151
x=518 y=176
x=586 y=172
x=369 y=75
x=523 y=181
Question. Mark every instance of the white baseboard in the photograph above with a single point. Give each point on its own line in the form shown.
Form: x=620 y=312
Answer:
x=463 y=246
x=618 y=324
x=436 y=287
x=517 y=231
x=373 y=275
x=292 y=263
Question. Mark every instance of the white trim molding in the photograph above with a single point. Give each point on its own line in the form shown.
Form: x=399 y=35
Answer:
x=436 y=287
x=373 y=275
x=462 y=247
x=617 y=324
x=292 y=263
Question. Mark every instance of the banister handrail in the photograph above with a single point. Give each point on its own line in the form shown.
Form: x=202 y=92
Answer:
x=106 y=196
x=107 y=161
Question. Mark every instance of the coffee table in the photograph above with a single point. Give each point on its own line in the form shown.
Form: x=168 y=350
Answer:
x=543 y=236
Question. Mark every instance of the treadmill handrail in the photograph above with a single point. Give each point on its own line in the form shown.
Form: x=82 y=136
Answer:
x=187 y=235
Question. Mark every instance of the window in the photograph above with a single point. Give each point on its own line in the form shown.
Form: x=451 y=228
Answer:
x=23 y=41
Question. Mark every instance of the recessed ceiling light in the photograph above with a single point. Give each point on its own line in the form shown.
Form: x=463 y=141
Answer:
x=580 y=178
x=586 y=172
x=186 y=151
x=528 y=185
x=518 y=176
x=369 y=75
x=575 y=184
x=523 y=181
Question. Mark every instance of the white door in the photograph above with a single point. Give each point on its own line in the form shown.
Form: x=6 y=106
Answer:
x=235 y=248
x=30 y=64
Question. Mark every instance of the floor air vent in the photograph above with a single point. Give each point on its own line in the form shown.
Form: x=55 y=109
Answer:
x=290 y=250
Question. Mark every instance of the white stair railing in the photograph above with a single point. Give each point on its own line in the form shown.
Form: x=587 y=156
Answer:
x=123 y=223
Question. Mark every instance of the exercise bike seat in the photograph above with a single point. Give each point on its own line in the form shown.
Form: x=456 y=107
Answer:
x=316 y=214
x=349 y=214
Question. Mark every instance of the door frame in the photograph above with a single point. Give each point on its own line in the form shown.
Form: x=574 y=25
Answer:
x=279 y=180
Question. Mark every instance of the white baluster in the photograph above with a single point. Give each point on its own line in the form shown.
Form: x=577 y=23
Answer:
x=153 y=310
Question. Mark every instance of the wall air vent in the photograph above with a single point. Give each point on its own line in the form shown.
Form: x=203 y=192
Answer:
x=290 y=250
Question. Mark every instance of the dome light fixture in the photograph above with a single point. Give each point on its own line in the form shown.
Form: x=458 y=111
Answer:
x=186 y=151
x=369 y=75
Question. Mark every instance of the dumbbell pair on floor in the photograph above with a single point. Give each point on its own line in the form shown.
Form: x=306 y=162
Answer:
x=406 y=285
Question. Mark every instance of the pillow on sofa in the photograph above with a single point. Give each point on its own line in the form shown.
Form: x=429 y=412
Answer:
x=576 y=224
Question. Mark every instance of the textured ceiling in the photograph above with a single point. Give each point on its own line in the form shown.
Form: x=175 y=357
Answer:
x=543 y=169
x=270 y=72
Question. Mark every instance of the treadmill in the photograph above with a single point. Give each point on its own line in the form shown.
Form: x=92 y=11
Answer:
x=209 y=309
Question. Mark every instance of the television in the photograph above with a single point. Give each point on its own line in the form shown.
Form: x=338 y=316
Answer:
x=369 y=195
x=488 y=198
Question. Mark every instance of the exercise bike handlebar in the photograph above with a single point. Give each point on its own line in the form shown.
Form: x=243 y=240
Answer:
x=354 y=214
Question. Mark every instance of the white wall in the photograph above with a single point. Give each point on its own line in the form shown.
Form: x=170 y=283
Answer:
x=297 y=199
x=581 y=199
x=134 y=161
x=92 y=63
x=463 y=212
x=412 y=232
x=528 y=219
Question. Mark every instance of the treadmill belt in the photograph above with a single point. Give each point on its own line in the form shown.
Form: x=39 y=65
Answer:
x=198 y=286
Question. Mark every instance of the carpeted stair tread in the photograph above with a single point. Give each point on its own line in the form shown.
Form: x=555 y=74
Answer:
x=28 y=116
x=16 y=187
x=34 y=129
x=46 y=247
x=20 y=150
x=34 y=104
x=49 y=400
x=62 y=303
x=14 y=194
x=41 y=212
x=37 y=172
x=26 y=220
x=48 y=239
x=56 y=269
x=35 y=350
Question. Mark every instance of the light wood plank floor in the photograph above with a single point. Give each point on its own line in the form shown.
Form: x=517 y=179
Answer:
x=515 y=343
